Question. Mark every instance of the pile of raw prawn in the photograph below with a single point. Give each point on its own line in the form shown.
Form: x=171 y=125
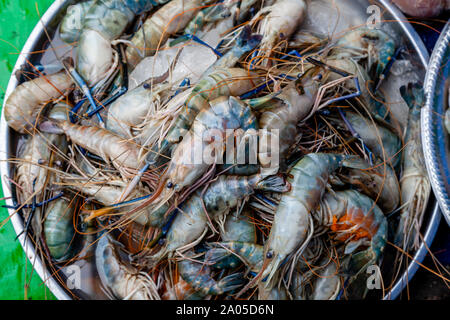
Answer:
x=102 y=174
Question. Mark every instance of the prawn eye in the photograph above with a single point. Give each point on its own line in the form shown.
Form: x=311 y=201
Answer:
x=146 y=86
x=269 y=255
x=161 y=241
x=318 y=77
x=169 y=185
x=300 y=88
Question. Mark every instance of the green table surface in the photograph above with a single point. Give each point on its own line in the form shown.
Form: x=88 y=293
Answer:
x=17 y=278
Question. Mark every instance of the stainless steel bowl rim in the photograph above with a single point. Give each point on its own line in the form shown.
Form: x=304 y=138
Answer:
x=17 y=222
x=432 y=158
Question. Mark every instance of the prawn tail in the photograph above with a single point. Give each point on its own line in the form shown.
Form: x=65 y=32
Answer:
x=407 y=235
x=231 y=282
x=155 y=200
x=220 y=258
x=413 y=95
x=360 y=261
x=256 y=280
x=354 y=162
x=274 y=183
x=151 y=260
x=271 y=274
x=357 y=277
x=160 y=154
x=400 y=235
x=266 y=101
x=247 y=41
x=98 y=213
x=51 y=126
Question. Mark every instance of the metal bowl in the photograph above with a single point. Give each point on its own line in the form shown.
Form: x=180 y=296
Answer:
x=8 y=143
x=436 y=140
x=397 y=23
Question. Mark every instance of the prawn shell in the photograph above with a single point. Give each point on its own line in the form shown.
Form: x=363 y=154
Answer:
x=239 y=229
x=358 y=217
x=58 y=228
x=121 y=152
x=127 y=111
x=383 y=142
x=109 y=18
x=281 y=22
x=121 y=278
x=188 y=225
x=220 y=196
x=72 y=24
x=220 y=82
x=414 y=182
x=292 y=222
x=25 y=103
x=224 y=113
x=380 y=183
x=199 y=277
x=104 y=22
x=170 y=19
x=34 y=150
x=284 y=113
x=108 y=195
x=94 y=56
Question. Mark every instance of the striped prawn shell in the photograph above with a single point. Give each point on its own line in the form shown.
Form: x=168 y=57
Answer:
x=221 y=195
x=251 y=253
x=358 y=217
x=290 y=107
x=200 y=278
x=112 y=148
x=181 y=290
x=32 y=153
x=225 y=113
x=103 y=22
x=227 y=192
x=123 y=280
x=25 y=103
x=234 y=114
x=168 y=20
x=58 y=228
x=291 y=227
x=222 y=82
